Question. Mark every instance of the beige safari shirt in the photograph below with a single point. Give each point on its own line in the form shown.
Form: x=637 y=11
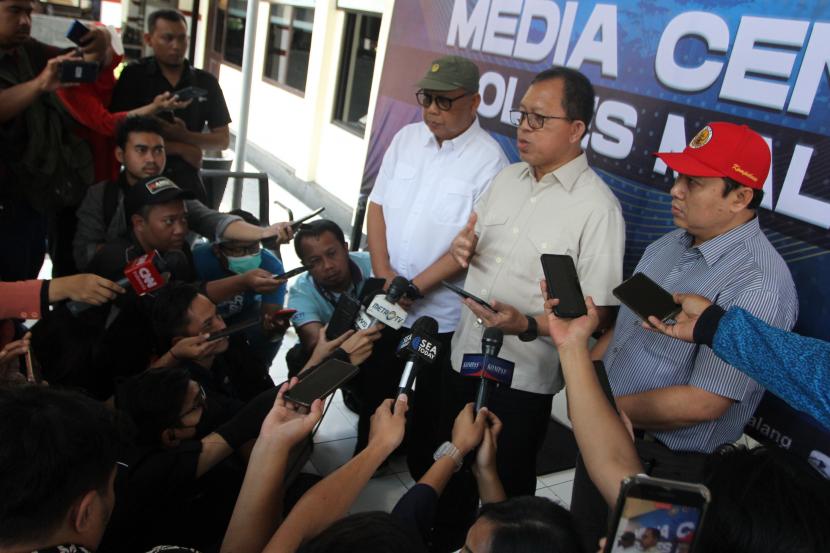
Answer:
x=569 y=211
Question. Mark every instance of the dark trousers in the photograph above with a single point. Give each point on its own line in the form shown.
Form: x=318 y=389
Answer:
x=423 y=424
x=525 y=418
x=377 y=380
x=589 y=509
x=22 y=240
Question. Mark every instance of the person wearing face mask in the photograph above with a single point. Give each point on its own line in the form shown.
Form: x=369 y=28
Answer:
x=232 y=257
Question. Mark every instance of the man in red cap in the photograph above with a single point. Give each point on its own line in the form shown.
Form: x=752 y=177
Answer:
x=683 y=401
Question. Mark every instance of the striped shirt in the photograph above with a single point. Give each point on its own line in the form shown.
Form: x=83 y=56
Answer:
x=738 y=268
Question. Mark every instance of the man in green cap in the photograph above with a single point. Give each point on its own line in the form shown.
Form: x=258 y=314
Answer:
x=432 y=174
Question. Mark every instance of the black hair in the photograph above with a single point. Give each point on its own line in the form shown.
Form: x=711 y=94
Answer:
x=764 y=500
x=169 y=315
x=530 y=523
x=315 y=229
x=135 y=124
x=153 y=401
x=370 y=532
x=57 y=445
x=757 y=193
x=166 y=14
x=578 y=97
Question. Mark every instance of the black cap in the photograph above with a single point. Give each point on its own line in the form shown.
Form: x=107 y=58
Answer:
x=153 y=191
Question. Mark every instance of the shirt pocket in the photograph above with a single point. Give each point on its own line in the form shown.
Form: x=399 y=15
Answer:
x=402 y=187
x=453 y=203
x=539 y=242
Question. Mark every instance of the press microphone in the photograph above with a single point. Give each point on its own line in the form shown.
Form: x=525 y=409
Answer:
x=143 y=275
x=384 y=309
x=418 y=347
x=488 y=367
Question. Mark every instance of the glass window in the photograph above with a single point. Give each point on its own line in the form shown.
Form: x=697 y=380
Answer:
x=235 y=31
x=219 y=26
x=357 y=65
x=289 y=45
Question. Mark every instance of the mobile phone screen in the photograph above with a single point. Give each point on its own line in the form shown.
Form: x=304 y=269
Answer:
x=292 y=273
x=465 y=294
x=321 y=382
x=663 y=518
x=297 y=222
x=342 y=319
x=645 y=298
x=190 y=93
x=233 y=329
x=76 y=32
x=563 y=284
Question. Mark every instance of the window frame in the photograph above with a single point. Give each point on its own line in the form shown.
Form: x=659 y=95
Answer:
x=290 y=28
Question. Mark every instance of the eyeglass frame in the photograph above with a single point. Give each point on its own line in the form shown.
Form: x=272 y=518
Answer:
x=239 y=251
x=525 y=116
x=435 y=98
x=199 y=403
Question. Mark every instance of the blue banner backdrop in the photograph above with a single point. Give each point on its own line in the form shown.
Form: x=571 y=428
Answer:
x=661 y=70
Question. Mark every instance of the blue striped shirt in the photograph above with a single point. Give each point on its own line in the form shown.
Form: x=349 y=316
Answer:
x=738 y=268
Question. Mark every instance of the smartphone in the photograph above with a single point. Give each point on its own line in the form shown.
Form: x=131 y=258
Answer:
x=190 y=93
x=645 y=298
x=33 y=375
x=76 y=32
x=292 y=273
x=295 y=224
x=657 y=514
x=322 y=381
x=78 y=71
x=602 y=376
x=563 y=283
x=465 y=294
x=233 y=329
x=342 y=320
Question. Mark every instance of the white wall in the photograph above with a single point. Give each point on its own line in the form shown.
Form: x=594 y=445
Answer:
x=298 y=130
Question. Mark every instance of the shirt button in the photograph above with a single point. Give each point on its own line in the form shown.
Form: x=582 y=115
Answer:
x=533 y=200
x=483 y=291
x=544 y=244
x=23 y=315
x=498 y=260
x=515 y=230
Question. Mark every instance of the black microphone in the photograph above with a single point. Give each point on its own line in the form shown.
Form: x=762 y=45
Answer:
x=418 y=347
x=384 y=309
x=490 y=345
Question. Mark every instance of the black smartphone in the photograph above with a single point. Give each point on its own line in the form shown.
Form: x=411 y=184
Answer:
x=465 y=294
x=76 y=32
x=78 y=71
x=602 y=376
x=563 y=284
x=646 y=298
x=293 y=272
x=657 y=514
x=342 y=320
x=190 y=93
x=295 y=224
x=322 y=381
x=233 y=329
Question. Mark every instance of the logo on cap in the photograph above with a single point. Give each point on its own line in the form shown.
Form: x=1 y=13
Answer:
x=702 y=138
x=435 y=68
x=159 y=185
x=740 y=170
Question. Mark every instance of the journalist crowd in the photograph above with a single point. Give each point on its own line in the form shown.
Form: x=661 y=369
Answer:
x=137 y=407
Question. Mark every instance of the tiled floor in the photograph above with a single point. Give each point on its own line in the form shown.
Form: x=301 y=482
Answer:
x=334 y=444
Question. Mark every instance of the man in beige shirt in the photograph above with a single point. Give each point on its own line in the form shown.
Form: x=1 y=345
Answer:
x=551 y=202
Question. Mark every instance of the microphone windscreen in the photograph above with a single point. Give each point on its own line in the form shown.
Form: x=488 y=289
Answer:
x=397 y=288
x=425 y=326
x=491 y=341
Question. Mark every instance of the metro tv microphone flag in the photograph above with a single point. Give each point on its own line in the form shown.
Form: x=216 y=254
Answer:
x=143 y=275
x=418 y=347
x=384 y=309
x=488 y=367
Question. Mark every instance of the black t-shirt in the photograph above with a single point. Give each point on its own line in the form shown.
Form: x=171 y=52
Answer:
x=141 y=81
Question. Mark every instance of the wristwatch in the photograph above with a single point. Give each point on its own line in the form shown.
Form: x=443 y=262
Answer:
x=532 y=331
x=449 y=450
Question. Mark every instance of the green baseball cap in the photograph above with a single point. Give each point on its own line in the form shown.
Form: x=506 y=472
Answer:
x=449 y=73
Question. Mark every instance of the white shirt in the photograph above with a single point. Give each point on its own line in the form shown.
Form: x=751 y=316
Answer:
x=427 y=192
x=569 y=211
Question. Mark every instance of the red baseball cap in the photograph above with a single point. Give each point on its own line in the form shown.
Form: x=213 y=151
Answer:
x=723 y=150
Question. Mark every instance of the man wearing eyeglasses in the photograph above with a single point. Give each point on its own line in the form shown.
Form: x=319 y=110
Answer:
x=551 y=202
x=432 y=174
